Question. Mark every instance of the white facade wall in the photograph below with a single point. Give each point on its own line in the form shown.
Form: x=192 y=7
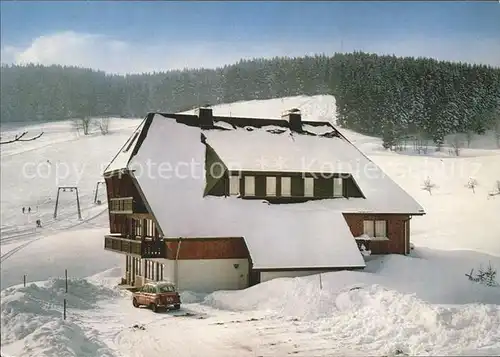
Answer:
x=207 y=275
x=269 y=275
x=203 y=275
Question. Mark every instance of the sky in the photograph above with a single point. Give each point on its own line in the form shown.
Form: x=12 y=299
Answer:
x=147 y=36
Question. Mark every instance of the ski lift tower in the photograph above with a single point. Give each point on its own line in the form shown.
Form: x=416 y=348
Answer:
x=70 y=189
x=97 y=189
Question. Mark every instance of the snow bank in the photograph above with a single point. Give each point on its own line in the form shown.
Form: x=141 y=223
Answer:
x=190 y=297
x=434 y=277
x=32 y=318
x=386 y=310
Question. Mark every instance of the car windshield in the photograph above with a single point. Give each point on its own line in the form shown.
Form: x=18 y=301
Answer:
x=166 y=288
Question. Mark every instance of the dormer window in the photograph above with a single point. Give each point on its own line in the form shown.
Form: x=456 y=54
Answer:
x=234 y=185
x=337 y=187
x=309 y=187
x=271 y=186
x=286 y=186
x=249 y=185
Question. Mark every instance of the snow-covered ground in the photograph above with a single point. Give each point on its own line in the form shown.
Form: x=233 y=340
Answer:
x=418 y=305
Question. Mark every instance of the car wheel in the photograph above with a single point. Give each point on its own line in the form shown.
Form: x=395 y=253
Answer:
x=135 y=303
x=177 y=306
x=154 y=308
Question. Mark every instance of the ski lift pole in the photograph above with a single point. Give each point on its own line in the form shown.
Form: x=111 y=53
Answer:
x=57 y=202
x=78 y=204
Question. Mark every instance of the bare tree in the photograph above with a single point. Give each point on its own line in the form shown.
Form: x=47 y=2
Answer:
x=104 y=125
x=456 y=144
x=83 y=124
x=468 y=136
x=428 y=185
x=21 y=137
x=420 y=144
x=472 y=184
x=496 y=130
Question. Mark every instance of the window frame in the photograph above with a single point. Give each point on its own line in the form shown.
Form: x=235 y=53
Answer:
x=236 y=181
x=373 y=223
x=248 y=192
x=288 y=193
x=273 y=184
x=309 y=186
x=335 y=193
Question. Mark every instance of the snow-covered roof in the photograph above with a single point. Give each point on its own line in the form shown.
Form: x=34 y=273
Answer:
x=293 y=239
x=122 y=158
x=242 y=149
x=173 y=182
x=259 y=150
x=170 y=168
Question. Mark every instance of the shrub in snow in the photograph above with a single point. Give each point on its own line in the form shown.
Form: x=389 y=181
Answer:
x=103 y=125
x=456 y=144
x=364 y=251
x=428 y=185
x=484 y=276
x=472 y=184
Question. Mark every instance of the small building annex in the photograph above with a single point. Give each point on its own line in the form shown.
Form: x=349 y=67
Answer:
x=214 y=203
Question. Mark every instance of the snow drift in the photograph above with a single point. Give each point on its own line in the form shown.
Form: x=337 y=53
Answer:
x=32 y=318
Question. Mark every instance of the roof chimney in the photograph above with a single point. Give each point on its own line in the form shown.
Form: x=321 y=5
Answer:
x=206 y=117
x=294 y=118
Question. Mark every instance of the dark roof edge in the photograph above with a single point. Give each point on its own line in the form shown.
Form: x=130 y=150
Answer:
x=121 y=149
x=193 y=120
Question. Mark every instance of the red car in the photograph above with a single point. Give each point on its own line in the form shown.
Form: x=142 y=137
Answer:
x=156 y=296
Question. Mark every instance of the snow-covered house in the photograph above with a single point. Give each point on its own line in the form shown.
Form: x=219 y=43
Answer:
x=212 y=202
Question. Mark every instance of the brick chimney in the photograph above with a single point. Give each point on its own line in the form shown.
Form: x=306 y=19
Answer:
x=206 y=117
x=294 y=118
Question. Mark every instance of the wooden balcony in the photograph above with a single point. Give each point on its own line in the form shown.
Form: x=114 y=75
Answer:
x=144 y=249
x=126 y=205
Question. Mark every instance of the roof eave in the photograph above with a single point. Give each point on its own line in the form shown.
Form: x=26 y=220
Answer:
x=312 y=268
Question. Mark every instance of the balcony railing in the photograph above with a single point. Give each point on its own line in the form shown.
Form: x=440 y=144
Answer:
x=143 y=249
x=126 y=205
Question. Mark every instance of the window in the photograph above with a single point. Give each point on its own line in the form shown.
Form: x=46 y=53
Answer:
x=271 y=186
x=369 y=228
x=308 y=187
x=375 y=229
x=234 y=185
x=286 y=186
x=380 y=229
x=249 y=186
x=337 y=187
x=166 y=288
